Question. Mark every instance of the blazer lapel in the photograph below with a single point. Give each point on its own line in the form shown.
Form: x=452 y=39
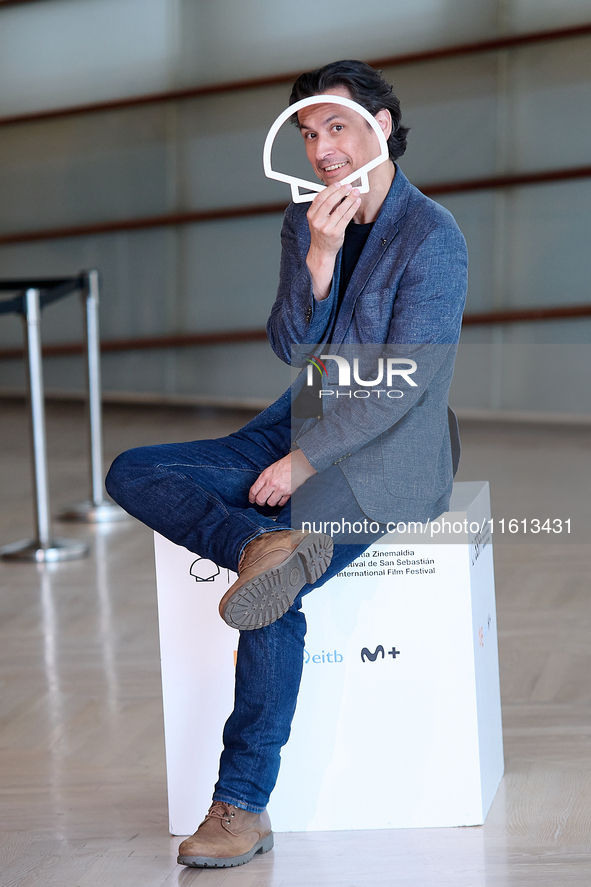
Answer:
x=382 y=234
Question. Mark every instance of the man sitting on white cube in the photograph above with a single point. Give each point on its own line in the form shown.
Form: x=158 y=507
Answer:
x=371 y=293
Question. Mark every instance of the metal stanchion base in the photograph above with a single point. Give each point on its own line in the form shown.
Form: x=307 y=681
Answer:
x=32 y=550
x=91 y=513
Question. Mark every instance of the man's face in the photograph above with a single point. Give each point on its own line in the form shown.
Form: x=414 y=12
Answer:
x=338 y=140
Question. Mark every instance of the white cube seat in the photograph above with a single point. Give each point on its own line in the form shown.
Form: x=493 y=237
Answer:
x=398 y=723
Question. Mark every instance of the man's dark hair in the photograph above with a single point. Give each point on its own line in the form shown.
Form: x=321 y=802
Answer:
x=367 y=87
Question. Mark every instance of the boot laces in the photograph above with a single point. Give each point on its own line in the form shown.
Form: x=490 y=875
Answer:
x=221 y=810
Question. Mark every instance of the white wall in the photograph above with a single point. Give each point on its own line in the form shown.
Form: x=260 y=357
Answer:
x=66 y=52
x=521 y=110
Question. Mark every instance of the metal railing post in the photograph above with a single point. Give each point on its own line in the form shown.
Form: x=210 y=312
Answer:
x=98 y=508
x=43 y=547
x=31 y=319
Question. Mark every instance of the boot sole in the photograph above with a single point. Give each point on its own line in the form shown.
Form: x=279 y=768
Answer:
x=204 y=862
x=266 y=598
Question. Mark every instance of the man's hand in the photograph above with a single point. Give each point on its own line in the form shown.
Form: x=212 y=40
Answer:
x=276 y=483
x=329 y=214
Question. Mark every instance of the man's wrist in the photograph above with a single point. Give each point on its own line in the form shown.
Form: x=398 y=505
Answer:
x=321 y=268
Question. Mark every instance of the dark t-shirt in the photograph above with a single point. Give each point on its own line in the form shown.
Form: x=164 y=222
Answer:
x=307 y=403
x=355 y=239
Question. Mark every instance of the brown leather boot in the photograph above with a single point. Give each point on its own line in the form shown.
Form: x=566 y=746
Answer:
x=273 y=570
x=227 y=836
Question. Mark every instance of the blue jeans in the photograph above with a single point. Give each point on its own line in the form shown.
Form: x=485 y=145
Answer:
x=196 y=495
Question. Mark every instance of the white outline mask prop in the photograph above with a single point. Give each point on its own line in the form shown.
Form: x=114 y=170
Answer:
x=297 y=183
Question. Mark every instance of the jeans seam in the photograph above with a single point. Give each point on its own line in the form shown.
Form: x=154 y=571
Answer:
x=164 y=466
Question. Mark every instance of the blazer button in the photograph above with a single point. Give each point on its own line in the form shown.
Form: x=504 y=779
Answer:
x=384 y=241
x=308 y=314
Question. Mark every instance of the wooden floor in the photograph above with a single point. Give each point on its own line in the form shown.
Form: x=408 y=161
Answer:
x=82 y=779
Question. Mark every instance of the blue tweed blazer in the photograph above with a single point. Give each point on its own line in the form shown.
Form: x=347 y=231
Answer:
x=407 y=295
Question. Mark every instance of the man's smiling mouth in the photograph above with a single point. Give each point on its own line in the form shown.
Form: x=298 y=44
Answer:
x=335 y=166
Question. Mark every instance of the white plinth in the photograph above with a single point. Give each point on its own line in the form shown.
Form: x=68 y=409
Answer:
x=407 y=737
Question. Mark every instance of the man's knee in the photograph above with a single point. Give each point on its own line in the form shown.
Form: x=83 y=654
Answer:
x=121 y=473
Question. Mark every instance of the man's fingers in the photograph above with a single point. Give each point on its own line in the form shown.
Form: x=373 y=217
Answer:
x=268 y=496
x=327 y=198
x=325 y=203
x=259 y=491
x=345 y=210
x=252 y=493
x=277 y=498
x=334 y=215
x=261 y=498
x=271 y=485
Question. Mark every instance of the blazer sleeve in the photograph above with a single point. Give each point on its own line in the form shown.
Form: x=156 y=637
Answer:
x=425 y=327
x=297 y=317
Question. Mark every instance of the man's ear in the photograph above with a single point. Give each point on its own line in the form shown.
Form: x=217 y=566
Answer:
x=384 y=118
